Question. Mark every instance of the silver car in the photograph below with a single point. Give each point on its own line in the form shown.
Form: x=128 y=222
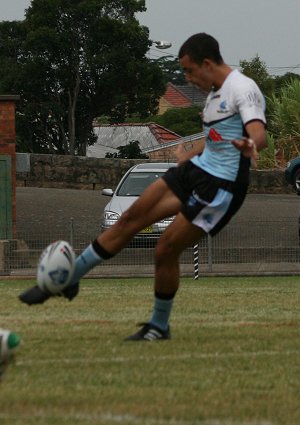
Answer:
x=130 y=187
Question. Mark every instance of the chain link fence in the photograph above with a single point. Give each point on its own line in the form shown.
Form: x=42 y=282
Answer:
x=255 y=247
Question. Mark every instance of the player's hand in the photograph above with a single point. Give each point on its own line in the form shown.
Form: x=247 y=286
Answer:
x=248 y=149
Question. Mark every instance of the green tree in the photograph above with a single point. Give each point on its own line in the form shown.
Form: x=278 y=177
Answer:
x=130 y=151
x=257 y=70
x=76 y=60
x=171 y=70
x=183 y=121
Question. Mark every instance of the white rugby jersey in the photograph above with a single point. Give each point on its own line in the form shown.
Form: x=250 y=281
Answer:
x=225 y=115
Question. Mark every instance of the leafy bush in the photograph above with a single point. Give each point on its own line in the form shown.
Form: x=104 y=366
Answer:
x=284 y=123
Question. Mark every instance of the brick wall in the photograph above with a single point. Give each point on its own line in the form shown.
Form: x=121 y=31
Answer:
x=8 y=141
x=167 y=154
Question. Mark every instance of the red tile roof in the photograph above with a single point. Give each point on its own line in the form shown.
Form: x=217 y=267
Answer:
x=162 y=134
x=175 y=97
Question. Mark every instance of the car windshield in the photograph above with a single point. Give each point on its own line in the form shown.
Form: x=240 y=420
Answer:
x=136 y=183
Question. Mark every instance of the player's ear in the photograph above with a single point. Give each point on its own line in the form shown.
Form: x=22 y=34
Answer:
x=207 y=64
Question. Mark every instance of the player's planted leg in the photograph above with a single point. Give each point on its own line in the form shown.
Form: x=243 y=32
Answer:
x=158 y=326
x=149 y=332
x=178 y=236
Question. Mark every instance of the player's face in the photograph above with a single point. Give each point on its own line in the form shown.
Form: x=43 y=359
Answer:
x=198 y=74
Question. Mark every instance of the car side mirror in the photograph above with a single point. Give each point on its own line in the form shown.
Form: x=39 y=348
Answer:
x=107 y=192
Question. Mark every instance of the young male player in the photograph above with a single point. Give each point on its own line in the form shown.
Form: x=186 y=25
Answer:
x=204 y=191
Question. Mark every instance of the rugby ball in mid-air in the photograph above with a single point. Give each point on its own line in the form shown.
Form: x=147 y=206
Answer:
x=56 y=267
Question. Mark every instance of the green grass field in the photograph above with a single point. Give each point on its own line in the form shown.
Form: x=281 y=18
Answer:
x=234 y=357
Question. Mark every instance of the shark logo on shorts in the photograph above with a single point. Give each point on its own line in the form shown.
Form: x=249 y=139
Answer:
x=195 y=199
x=208 y=218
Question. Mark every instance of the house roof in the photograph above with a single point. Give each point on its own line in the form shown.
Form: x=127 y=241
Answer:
x=176 y=142
x=176 y=97
x=193 y=93
x=180 y=96
x=110 y=137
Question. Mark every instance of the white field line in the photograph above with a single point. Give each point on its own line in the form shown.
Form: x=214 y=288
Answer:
x=113 y=418
x=178 y=357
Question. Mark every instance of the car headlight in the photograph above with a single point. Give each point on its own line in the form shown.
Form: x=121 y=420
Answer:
x=168 y=219
x=111 y=215
x=109 y=218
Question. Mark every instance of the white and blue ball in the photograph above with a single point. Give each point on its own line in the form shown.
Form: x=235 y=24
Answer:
x=56 y=267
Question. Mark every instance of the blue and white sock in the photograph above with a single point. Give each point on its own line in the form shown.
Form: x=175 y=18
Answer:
x=93 y=255
x=161 y=312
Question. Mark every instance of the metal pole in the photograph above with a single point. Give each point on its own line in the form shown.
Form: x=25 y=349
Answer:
x=196 y=260
x=72 y=231
x=210 y=253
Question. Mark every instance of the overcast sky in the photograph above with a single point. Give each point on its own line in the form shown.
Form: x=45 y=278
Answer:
x=244 y=28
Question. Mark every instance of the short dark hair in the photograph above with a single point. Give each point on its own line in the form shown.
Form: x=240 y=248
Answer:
x=201 y=46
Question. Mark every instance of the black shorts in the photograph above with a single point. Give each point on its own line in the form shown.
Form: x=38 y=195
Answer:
x=208 y=201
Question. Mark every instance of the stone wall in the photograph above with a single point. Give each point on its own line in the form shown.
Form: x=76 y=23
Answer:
x=269 y=181
x=96 y=173
x=75 y=172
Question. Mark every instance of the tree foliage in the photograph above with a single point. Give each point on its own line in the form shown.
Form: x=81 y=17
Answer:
x=171 y=70
x=283 y=80
x=283 y=126
x=257 y=70
x=183 y=121
x=283 y=112
x=285 y=118
x=130 y=151
x=74 y=60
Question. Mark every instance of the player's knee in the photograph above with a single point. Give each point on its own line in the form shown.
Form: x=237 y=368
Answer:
x=165 y=252
x=128 y=222
x=125 y=220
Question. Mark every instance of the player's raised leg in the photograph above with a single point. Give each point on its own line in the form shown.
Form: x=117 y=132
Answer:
x=157 y=202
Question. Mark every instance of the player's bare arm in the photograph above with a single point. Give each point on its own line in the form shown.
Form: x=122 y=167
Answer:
x=250 y=146
x=183 y=155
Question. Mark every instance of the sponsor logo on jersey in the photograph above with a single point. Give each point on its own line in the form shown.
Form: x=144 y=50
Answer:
x=214 y=135
x=223 y=109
